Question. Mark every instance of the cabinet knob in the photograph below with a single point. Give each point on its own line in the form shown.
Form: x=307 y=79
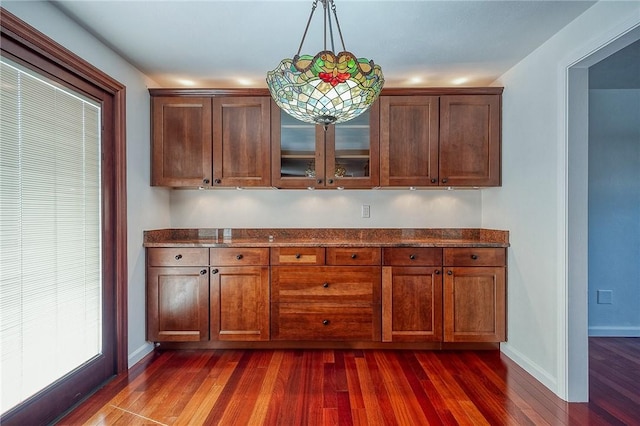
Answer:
x=445 y=180
x=206 y=181
x=203 y=271
x=449 y=272
x=239 y=257
x=330 y=181
x=434 y=180
x=298 y=255
x=325 y=322
x=178 y=256
x=218 y=181
x=437 y=272
x=474 y=256
x=214 y=271
x=325 y=285
x=319 y=181
x=353 y=256
x=412 y=256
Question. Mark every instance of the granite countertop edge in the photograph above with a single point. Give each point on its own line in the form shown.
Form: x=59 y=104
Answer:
x=309 y=237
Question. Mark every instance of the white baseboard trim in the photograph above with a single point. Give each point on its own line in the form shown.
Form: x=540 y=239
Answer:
x=607 y=331
x=138 y=354
x=530 y=367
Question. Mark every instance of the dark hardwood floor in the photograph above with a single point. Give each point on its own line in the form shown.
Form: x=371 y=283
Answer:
x=360 y=387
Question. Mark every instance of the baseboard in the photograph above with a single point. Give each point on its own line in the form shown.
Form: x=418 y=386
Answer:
x=138 y=354
x=606 y=331
x=530 y=367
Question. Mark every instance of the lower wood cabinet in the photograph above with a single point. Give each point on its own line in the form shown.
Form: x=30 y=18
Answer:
x=474 y=295
x=177 y=295
x=369 y=295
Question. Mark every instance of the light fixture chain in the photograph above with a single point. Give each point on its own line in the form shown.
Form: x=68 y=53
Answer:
x=335 y=14
x=313 y=9
x=325 y=13
x=333 y=47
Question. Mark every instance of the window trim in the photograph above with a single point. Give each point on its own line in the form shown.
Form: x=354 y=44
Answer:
x=24 y=44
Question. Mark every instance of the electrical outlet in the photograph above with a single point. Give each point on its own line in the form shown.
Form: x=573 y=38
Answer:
x=366 y=211
x=605 y=297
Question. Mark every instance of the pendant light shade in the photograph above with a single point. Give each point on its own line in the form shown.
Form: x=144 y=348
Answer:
x=325 y=88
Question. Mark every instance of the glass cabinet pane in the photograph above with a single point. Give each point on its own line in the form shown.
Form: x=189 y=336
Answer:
x=297 y=147
x=353 y=147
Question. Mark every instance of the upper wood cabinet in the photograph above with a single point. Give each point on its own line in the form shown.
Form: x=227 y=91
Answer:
x=432 y=139
x=344 y=155
x=214 y=141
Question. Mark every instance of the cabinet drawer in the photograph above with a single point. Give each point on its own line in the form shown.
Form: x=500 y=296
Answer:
x=353 y=256
x=468 y=256
x=412 y=256
x=315 y=321
x=334 y=284
x=239 y=256
x=297 y=256
x=178 y=256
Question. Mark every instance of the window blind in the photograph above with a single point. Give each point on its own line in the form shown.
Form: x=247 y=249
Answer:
x=50 y=229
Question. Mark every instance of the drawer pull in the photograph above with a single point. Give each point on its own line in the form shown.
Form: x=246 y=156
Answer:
x=214 y=271
x=412 y=256
x=474 y=256
x=203 y=271
x=178 y=256
x=353 y=256
x=218 y=181
x=298 y=255
x=325 y=322
x=449 y=272
x=325 y=285
x=239 y=257
x=205 y=181
x=437 y=272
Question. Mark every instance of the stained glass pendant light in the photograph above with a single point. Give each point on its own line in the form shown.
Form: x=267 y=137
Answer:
x=325 y=88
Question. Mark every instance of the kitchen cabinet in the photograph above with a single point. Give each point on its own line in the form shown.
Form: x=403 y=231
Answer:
x=214 y=141
x=177 y=294
x=239 y=304
x=412 y=294
x=474 y=295
x=440 y=139
x=332 y=296
x=344 y=155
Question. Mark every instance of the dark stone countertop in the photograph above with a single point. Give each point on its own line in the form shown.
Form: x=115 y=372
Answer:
x=329 y=237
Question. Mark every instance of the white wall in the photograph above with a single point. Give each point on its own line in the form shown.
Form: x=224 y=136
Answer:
x=614 y=211
x=325 y=208
x=147 y=207
x=532 y=204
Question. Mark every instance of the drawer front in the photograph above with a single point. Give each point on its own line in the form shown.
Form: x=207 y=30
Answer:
x=178 y=256
x=297 y=256
x=239 y=256
x=311 y=321
x=412 y=256
x=336 y=284
x=466 y=256
x=354 y=256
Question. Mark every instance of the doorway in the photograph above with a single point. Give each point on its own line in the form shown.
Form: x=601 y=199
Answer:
x=577 y=198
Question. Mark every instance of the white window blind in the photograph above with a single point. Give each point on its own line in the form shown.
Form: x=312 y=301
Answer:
x=50 y=232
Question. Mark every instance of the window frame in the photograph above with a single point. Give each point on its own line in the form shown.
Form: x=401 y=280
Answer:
x=25 y=45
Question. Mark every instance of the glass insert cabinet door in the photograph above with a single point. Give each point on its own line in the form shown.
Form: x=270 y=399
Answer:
x=345 y=155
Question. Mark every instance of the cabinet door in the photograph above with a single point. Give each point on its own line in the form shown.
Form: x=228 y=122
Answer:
x=240 y=303
x=181 y=141
x=470 y=140
x=177 y=304
x=409 y=140
x=411 y=304
x=241 y=141
x=297 y=152
x=474 y=304
x=353 y=151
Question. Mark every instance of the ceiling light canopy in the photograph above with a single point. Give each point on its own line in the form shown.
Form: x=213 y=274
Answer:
x=325 y=88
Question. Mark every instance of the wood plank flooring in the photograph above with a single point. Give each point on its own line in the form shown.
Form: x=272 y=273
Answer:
x=360 y=387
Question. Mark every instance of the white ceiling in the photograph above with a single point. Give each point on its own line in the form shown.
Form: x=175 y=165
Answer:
x=420 y=43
